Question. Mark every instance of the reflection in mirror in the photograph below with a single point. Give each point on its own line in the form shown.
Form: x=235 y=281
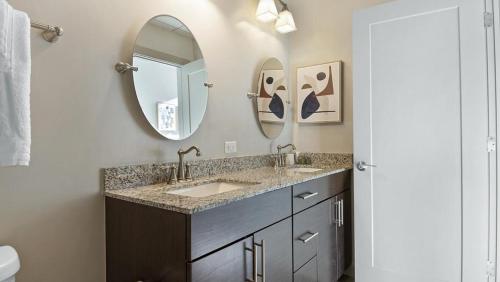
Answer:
x=171 y=77
x=272 y=97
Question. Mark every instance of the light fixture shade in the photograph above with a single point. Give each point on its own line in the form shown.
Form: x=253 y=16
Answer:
x=266 y=11
x=285 y=22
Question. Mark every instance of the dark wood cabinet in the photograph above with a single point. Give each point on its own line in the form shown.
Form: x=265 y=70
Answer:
x=214 y=228
x=277 y=256
x=232 y=264
x=310 y=193
x=290 y=238
x=343 y=232
x=328 y=246
x=308 y=272
x=331 y=247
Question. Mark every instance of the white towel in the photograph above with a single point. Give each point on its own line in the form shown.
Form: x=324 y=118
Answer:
x=6 y=19
x=15 y=124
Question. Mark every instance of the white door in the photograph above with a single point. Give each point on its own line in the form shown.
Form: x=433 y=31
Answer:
x=194 y=93
x=421 y=116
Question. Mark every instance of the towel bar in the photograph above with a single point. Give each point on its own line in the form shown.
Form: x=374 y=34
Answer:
x=50 y=33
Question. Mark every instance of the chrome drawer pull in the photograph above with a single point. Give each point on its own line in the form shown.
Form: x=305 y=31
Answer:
x=307 y=195
x=309 y=238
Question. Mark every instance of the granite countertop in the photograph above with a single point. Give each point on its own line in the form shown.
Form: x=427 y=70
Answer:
x=262 y=180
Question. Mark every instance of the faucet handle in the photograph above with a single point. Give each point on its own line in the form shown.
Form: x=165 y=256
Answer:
x=173 y=175
x=187 y=174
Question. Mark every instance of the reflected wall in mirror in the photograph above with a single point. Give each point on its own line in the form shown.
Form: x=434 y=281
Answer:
x=272 y=97
x=171 y=77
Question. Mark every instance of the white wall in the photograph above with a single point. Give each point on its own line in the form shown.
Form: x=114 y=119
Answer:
x=161 y=39
x=324 y=34
x=85 y=117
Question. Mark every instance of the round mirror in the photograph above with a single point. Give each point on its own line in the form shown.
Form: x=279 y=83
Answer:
x=272 y=97
x=170 y=82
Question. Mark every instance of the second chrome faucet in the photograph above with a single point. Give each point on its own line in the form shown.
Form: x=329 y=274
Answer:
x=281 y=158
x=182 y=172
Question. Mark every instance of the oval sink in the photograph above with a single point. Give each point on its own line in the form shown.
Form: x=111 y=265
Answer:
x=209 y=189
x=304 y=169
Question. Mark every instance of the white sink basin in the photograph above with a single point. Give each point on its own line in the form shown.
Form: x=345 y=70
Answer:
x=209 y=189
x=304 y=169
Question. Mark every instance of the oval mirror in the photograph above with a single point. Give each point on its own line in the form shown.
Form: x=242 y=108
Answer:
x=170 y=82
x=272 y=97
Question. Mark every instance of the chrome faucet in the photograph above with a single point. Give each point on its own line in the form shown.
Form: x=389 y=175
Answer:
x=286 y=146
x=281 y=157
x=181 y=171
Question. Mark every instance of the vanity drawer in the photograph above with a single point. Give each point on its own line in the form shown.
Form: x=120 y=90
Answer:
x=308 y=228
x=215 y=228
x=312 y=192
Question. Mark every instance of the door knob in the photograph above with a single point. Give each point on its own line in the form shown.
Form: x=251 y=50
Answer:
x=363 y=165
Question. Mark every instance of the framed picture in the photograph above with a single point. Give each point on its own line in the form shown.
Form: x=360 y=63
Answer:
x=271 y=96
x=319 y=93
x=167 y=116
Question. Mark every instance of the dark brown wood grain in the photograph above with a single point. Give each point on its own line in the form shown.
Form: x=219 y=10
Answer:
x=230 y=264
x=326 y=187
x=215 y=228
x=278 y=251
x=308 y=272
x=149 y=244
x=144 y=243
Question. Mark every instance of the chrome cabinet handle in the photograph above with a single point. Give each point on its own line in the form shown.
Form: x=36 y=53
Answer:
x=342 y=212
x=338 y=214
x=263 y=260
x=255 y=275
x=309 y=237
x=361 y=166
x=254 y=266
x=307 y=195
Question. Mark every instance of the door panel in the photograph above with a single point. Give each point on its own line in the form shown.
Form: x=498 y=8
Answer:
x=308 y=272
x=420 y=115
x=194 y=94
x=231 y=264
x=278 y=251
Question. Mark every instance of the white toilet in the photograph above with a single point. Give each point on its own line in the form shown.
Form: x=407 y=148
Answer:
x=9 y=264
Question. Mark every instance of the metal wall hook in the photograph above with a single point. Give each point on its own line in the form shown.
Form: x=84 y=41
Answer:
x=122 y=67
x=251 y=95
x=208 y=85
x=50 y=33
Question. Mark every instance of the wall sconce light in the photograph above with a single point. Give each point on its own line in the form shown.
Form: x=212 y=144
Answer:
x=267 y=12
x=285 y=22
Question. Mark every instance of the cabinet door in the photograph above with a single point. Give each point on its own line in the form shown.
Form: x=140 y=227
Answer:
x=340 y=227
x=277 y=256
x=231 y=264
x=314 y=234
x=344 y=242
x=308 y=272
x=327 y=250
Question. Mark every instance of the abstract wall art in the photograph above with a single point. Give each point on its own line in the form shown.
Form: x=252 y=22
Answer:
x=272 y=96
x=319 y=93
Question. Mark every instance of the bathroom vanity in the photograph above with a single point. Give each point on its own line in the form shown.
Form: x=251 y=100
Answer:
x=290 y=224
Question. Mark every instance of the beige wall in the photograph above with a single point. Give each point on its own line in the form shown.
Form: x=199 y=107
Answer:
x=85 y=117
x=324 y=34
